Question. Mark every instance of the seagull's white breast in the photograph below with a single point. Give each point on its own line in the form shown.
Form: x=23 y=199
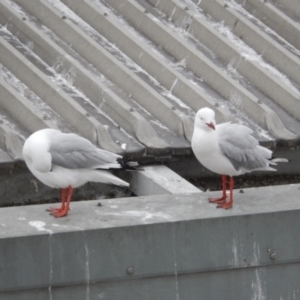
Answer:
x=207 y=150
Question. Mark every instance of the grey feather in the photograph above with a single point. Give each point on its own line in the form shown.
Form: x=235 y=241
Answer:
x=74 y=152
x=241 y=148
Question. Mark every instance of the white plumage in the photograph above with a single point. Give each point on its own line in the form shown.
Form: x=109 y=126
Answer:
x=227 y=149
x=66 y=160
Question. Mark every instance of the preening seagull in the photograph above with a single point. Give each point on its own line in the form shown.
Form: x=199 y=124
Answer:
x=66 y=161
x=227 y=149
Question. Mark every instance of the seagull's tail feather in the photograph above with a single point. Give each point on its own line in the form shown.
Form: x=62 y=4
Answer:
x=123 y=166
x=108 y=178
x=130 y=166
x=269 y=169
x=275 y=160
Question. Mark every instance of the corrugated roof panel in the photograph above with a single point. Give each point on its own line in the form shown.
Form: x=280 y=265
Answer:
x=130 y=75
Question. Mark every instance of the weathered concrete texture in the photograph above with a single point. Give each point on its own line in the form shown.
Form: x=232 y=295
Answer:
x=254 y=36
x=230 y=54
x=159 y=180
x=156 y=247
x=130 y=75
x=209 y=285
x=275 y=19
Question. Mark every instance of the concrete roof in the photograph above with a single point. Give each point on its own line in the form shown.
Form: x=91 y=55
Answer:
x=130 y=75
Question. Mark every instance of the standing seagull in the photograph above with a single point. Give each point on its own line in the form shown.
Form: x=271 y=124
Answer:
x=66 y=161
x=227 y=149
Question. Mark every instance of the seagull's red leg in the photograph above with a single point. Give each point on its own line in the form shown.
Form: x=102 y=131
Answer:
x=228 y=204
x=64 y=212
x=223 y=198
x=63 y=200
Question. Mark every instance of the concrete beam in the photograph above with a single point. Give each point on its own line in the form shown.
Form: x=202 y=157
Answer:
x=159 y=180
x=168 y=247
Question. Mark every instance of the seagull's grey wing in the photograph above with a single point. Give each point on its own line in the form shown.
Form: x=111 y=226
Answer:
x=71 y=151
x=241 y=148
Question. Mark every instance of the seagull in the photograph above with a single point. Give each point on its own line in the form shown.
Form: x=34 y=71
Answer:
x=67 y=161
x=227 y=149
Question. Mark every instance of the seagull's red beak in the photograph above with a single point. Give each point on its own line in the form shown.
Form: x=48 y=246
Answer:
x=211 y=125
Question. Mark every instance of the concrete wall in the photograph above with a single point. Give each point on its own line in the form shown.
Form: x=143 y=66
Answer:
x=156 y=247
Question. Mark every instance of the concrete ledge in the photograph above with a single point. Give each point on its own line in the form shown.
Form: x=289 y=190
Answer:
x=171 y=246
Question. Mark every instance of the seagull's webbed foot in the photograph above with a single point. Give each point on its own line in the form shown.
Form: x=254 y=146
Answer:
x=218 y=200
x=55 y=210
x=60 y=213
x=66 y=197
x=221 y=200
x=225 y=205
x=229 y=204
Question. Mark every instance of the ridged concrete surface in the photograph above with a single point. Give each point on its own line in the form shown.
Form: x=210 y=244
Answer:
x=130 y=75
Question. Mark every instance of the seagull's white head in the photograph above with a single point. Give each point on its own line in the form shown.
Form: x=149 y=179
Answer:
x=205 y=119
